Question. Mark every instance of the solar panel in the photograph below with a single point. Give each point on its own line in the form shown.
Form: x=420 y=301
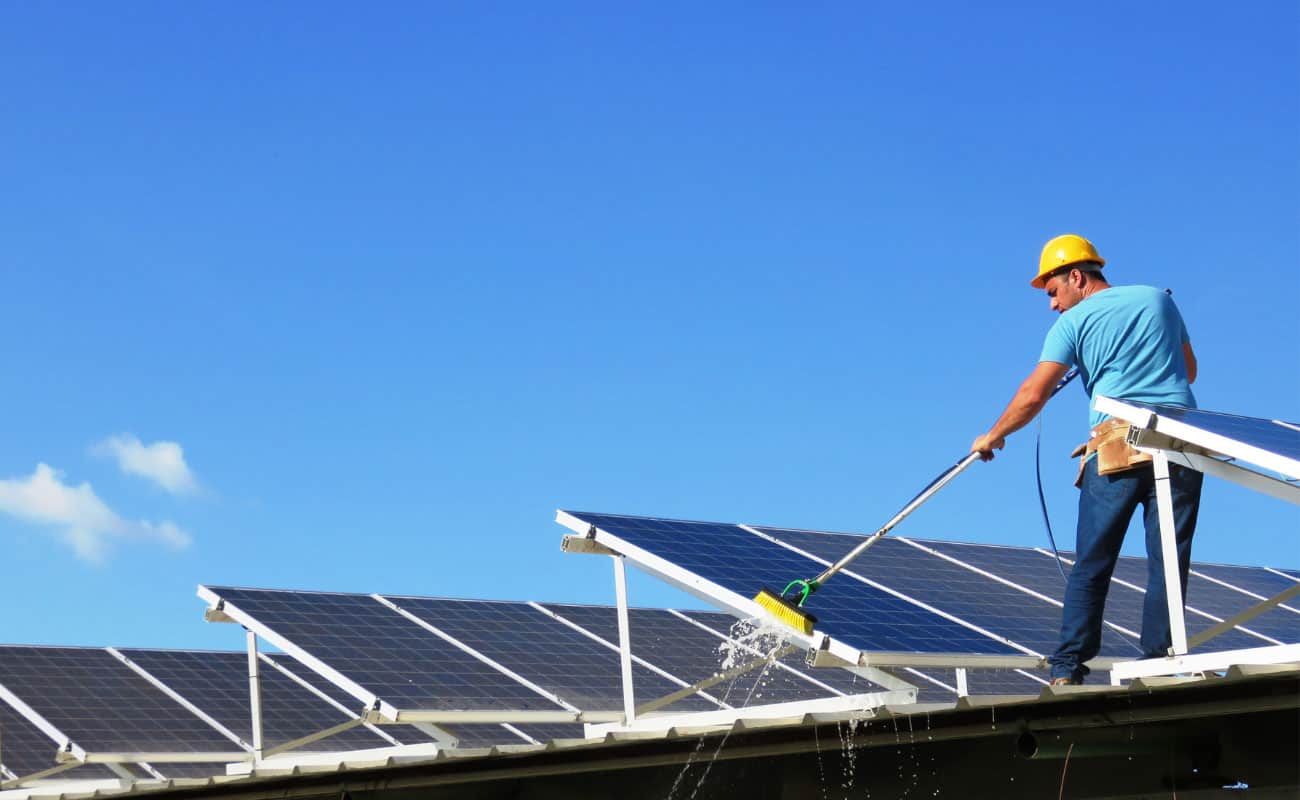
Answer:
x=916 y=592
x=1207 y=597
x=217 y=682
x=965 y=595
x=1035 y=571
x=741 y=562
x=101 y=704
x=384 y=652
x=1256 y=583
x=542 y=650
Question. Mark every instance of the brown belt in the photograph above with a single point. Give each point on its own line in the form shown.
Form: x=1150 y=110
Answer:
x=1109 y=441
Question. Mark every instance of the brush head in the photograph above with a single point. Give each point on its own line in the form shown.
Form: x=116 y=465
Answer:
x=785 y=611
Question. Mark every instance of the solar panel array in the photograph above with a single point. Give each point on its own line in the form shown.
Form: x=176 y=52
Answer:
x=548 y=657
x=434 y=654
x=918 y=597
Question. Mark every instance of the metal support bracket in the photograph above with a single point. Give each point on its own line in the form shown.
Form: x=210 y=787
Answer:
x=1169 y=554
x=584 y=545
x=624 y=639
x=255 y=695
x=734 y=672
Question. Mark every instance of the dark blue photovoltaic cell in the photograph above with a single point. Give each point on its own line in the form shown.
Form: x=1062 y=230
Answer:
x=1261 y=433
x=547 y=652
x=960 y=592
x=854 y=613
x=1221 y=602
x=101 y=704
x=385 y=653
x=694 y=655
x=1254 y=580
x=1038 y=572
x=217 y=682
x=404 y=734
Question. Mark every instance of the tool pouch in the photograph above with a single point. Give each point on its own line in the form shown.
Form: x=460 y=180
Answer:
x=1114 y=453
x=1109 y=441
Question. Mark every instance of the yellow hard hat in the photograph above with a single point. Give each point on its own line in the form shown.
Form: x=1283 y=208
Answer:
x=1062 y=251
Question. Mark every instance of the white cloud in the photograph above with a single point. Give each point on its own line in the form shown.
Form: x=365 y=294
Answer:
x=77 y=513
x=160 y=462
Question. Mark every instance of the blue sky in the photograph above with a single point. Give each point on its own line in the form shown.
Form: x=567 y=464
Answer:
x=396 y=283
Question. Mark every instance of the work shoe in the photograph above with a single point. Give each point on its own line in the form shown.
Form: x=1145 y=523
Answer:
x=1066 y=681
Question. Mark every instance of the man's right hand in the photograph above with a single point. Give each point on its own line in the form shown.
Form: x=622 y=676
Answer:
x=986 y=444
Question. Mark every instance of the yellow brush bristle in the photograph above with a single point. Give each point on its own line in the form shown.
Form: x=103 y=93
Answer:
x=783 y=612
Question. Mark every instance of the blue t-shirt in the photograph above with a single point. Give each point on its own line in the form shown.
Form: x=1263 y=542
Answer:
x=1128 y=344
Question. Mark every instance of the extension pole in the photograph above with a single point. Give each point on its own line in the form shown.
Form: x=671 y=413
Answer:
x=925 y=494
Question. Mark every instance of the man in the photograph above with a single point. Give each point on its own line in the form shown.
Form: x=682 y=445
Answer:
x=1129 y=343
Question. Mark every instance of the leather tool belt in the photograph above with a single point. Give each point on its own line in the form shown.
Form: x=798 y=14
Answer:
x=1109 y=441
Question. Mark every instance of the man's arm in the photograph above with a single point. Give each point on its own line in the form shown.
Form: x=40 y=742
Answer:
x=1030 y=398
x=1190 y=358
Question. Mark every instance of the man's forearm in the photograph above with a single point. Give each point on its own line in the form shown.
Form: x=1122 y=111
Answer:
x=1022 y=409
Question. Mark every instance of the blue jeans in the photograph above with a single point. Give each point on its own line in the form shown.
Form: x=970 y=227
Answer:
x=1106 y=504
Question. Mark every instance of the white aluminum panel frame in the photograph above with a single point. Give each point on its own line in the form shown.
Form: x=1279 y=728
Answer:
x=1205 y=662
x=831 y=651
x=1177 y=442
